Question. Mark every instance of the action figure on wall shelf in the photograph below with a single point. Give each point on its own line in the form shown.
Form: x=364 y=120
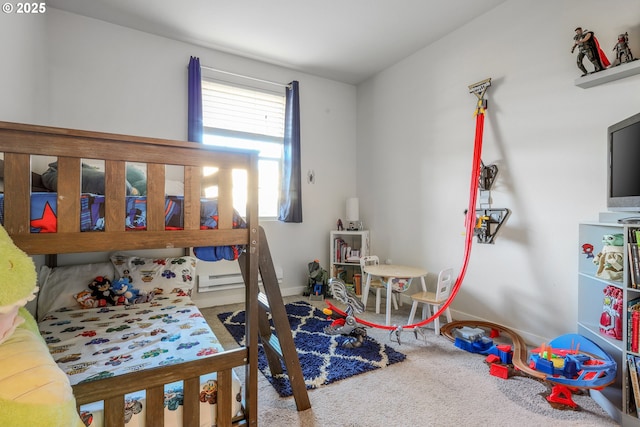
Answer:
x=623 y=52
x=588 y=46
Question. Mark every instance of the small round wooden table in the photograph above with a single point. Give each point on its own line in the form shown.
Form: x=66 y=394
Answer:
x=390 y=272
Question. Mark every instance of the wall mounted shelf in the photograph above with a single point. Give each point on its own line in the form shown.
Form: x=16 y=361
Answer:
x=610 y=74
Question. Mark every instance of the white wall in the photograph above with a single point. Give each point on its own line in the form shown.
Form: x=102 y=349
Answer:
x=547 y=136
x=109 y=78
x=23 y=74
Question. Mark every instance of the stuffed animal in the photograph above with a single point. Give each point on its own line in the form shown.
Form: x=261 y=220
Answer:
x=209 y=392
x=86 y=299
x=100 y=289
x=93 y=179
x=17 y=284
x=138 y=180
x=35 y=391
x=123 y=292
x=610 y=259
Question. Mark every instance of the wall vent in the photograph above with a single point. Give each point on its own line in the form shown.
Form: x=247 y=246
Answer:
x=224 y=282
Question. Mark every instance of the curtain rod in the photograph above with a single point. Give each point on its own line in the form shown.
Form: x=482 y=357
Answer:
x=243 y=76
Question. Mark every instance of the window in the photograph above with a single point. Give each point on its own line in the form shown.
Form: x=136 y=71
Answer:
x=241 y=117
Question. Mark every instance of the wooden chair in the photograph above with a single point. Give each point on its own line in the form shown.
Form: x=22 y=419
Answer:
x=434 y=299
x=376 y=283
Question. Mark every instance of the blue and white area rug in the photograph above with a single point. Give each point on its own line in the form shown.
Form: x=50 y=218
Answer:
x=322 y=357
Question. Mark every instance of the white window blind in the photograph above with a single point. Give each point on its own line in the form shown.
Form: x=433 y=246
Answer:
x=239 y=109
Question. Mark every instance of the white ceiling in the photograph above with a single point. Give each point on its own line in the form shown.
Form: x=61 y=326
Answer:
x=343 y=40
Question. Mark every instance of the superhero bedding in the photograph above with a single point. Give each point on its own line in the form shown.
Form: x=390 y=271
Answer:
x=95 y=343
x=44 y=218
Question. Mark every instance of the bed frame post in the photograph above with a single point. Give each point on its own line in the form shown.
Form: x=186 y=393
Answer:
x=279 y=347
x=250 y=270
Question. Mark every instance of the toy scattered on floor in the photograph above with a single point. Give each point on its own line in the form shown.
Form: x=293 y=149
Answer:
x=499 y=356
x=588 y=46
x=623 y=52
x=318 y=281
x=345 y=324
x=474 y=340
x=572 y=362
x=568 y=363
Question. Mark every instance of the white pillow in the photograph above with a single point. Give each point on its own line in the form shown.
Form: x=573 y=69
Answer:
x=160 y=275
x=58 y=285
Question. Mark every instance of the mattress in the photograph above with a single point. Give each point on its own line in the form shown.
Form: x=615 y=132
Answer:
x=89 y=344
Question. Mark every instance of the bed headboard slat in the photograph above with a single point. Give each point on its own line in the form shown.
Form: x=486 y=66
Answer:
x=17 y=189
x=155 y=196
x=115 y=190
x=225 y=199
x=68 y=194
x=192 y=191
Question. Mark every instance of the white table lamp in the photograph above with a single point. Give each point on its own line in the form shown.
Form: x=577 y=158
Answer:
x=353 y=214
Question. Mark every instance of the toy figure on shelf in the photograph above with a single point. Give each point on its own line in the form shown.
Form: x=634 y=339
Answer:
x=610 y=259
x=623 y=52
x=588 y=46
x=611 y=317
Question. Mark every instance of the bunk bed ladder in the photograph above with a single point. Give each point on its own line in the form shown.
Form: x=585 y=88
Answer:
x=278 y=347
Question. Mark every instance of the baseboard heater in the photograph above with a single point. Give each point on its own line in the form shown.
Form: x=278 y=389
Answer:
x=225 y=282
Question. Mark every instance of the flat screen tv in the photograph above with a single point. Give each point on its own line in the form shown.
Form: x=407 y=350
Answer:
x=623 y=186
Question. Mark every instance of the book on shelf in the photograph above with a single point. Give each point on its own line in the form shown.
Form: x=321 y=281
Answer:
x=343 y=252
x=633 y=364
x=338 y=244
x=634 y=256
x=633 y=324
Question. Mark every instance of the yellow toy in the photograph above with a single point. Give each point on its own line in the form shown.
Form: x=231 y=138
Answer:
x=17 y=284
x=33 y=390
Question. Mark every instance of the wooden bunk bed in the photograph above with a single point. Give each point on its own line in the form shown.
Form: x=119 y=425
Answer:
x=18 y=142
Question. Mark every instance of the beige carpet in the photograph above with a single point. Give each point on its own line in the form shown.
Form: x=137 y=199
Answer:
x=437 y=385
